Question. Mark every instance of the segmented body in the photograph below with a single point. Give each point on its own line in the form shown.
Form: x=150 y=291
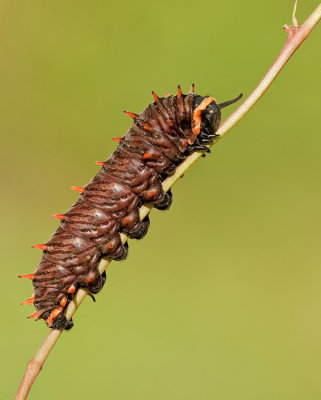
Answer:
x=162 y=135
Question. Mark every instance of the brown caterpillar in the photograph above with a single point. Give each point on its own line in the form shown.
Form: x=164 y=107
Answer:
x=162 y=136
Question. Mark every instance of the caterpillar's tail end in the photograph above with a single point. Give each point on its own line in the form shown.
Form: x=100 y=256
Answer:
x=63 y=324
x=57 y=320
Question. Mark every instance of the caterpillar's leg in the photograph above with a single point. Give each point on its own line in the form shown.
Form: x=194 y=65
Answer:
x=92 y=281
x=114 y=249
x=61 y=322
x=166 y=202
x=133 y=226
x=144 y=225
x=98 y=284
x=156 y=195
x=57 y=321
x=122 y=254
x=90 y=277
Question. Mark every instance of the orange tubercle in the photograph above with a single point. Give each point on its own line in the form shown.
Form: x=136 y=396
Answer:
x=79 y=189
x=89 y=279
x=39 y=246
x=55 y=312
x=101 y=163
x=53 y=315
x=36 y=314
x=109 y=246
x=133 y=115
x=117 y=139
x=59 y=216
x=179 y=92
x=71 y=289
x=63 y=302
x=27 y=276
x=156 y=98
x=29 y=301
x=147 y=156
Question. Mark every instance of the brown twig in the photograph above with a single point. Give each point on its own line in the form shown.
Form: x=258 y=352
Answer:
x=296 y=35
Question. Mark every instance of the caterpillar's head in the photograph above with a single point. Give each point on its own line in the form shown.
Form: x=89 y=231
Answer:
x=207 y=114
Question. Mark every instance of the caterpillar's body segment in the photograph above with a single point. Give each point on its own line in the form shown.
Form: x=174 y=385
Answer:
x=162 y=136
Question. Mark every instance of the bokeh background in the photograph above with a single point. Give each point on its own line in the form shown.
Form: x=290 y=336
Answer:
x=222 y=298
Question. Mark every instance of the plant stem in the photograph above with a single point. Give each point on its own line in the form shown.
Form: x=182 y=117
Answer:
x=296 y=35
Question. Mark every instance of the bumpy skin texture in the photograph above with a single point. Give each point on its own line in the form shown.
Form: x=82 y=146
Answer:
x=160 y=138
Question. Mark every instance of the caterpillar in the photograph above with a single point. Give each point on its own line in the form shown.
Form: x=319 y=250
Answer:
x=161 y=137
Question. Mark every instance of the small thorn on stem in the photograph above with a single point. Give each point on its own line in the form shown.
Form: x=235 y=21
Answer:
x=289 y=30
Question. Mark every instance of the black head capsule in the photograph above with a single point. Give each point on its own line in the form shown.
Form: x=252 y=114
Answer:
x=211 y=117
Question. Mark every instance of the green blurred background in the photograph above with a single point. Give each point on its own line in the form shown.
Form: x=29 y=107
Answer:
x=222 y=299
